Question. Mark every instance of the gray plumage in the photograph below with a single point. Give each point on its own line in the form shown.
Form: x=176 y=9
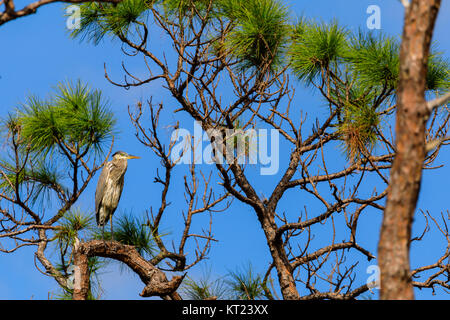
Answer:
x=109 y=187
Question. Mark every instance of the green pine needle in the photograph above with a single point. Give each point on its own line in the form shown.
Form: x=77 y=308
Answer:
x=245 y=284
x=133 y=231
x=100 y=19
x=438 y=76
x=181 y=8
x=204 y=288
x=71 y=225
x=260 y=32
x=316 y=47
x=374 y=60
x=358 y=130
x=76 y=115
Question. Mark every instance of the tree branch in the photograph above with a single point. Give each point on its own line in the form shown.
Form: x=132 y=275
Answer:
x=10 y=13
x=156 y=283
x=433 y=104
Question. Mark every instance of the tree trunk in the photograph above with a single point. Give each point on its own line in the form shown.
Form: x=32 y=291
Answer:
x=280 y=260
x=285 y=277
x=406 y=172
x=81 y=284
x=156 y=283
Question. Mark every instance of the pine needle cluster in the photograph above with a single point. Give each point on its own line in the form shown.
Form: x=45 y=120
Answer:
x=358 y=72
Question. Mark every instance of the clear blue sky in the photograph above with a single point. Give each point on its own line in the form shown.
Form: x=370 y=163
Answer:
x=37 y=53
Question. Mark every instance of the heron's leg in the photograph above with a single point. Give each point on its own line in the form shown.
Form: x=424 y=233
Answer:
x=112 y=232
x=103 y=233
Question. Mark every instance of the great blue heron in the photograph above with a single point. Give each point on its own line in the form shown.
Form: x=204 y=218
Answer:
x=109 y=188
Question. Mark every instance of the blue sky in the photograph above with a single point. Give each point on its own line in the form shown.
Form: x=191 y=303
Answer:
x=37 y=53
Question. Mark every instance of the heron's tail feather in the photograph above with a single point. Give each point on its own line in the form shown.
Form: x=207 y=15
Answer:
x=100 y=223
x=101 y=217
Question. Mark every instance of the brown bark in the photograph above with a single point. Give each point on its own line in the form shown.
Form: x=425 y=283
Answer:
x=81 y=278
x=156 y=283
x=284 y=272
x=406 y=172
x=10 y=13
x=281 y=263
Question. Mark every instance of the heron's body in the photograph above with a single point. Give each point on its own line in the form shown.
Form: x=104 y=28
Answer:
x=109 y=187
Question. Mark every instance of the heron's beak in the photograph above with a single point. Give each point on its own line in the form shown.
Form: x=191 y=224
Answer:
x=133 y=157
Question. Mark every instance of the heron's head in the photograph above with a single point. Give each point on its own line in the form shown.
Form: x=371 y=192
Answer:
x=122 y=155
